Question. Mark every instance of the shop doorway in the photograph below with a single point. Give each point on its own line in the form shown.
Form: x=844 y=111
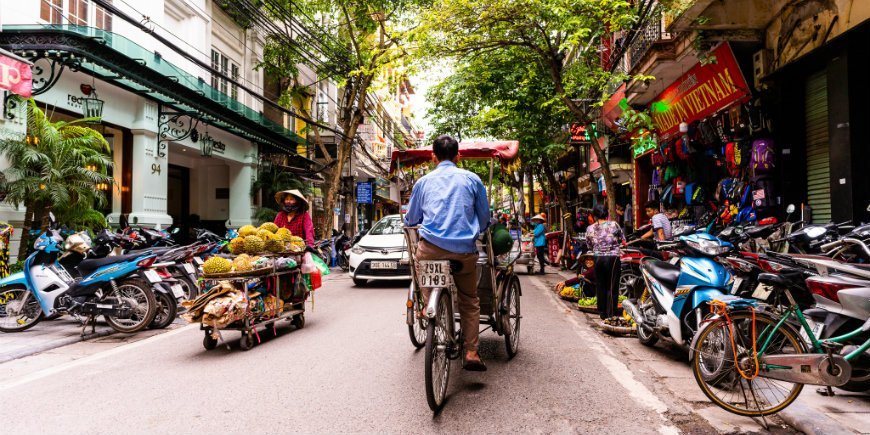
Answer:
x=818 y=148
x=178 y=200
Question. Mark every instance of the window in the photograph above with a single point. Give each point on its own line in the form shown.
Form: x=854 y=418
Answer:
x=102 y=19
x=227 y=67
x=78 y=12
x=51 y=11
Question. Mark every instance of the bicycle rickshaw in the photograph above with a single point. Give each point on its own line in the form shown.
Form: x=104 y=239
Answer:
x=498 y=287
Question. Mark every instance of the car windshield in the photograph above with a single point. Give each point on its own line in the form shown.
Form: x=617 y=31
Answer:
x=387 y=226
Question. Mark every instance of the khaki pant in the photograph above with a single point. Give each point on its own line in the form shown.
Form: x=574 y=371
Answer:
x=466 y=284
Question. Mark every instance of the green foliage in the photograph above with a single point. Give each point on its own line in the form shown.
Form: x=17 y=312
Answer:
x=265 y=214
x=272 y=179
x=16 y=267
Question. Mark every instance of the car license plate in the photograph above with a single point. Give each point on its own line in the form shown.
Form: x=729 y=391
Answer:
x=198 y=261
x=817 y=330
x=152 y=276
x=384 y=265
x=188 y=268
x=736 y=287
x=434 y=273
x=177 y=291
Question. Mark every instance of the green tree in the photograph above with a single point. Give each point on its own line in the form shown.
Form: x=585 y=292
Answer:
x=55 y=167
x=561 y=36
x=359 y=42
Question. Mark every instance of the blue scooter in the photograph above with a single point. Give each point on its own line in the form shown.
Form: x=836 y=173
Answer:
x=675 y=298
x=117 y=288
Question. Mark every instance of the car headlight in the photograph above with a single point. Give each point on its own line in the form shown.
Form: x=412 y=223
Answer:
x=357 y=250
x=708 y=247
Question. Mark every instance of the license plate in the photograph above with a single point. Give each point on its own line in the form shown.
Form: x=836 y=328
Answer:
x=761 y=292
x=817 y=330
x=384 y=265
x=736 y=286
x=152 y=276
x=434 y=274
x=177 y=291
x=188 y=267
x=198 y=261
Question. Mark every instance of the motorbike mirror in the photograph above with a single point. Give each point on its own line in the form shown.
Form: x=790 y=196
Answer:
x=176 y=230
x=868 y=207
x=790 y=209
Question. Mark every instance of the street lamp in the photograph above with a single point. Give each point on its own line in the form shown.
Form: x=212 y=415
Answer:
x=92 y=106
x=205 y=145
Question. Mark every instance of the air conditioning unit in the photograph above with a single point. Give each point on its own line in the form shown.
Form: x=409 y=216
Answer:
x=761 y=62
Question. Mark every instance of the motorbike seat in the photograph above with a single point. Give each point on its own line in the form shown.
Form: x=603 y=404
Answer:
x=86 y=267
x=156 y=251
x=666 y=273
x=774 y=279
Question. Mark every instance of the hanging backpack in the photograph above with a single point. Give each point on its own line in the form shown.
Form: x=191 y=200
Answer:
x=657 y=157
x=652 y=194
x=656 y=177
x=763 y=193
x=682 y=148
x=670 y=174
x=668 y=152
x=679 y=186
x=732 y=158
x=668 y=194
x=762 y=157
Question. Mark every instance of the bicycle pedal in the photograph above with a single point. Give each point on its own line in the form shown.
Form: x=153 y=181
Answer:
x=830 y=345
x=826 y=391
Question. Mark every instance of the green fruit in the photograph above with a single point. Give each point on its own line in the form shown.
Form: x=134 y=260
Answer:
x=284 y=234
x=264 y=234
x=269 y=226
x=275 y=244
x=217 y=265
x=254 y=245
x=247 y=230
x=237 y=245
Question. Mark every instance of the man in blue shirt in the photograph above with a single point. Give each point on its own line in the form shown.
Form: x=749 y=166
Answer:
x=540 y=241
x=451 y=207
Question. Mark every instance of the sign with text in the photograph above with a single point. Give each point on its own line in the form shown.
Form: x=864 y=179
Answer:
x=700 y=92
x=16 y=76
x=363 y=192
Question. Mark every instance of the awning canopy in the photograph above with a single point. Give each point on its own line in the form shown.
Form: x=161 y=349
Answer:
x=507 y=152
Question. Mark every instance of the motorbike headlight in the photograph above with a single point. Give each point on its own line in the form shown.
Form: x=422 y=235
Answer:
x=814 y=232
x=357 y=250
x=708 y=247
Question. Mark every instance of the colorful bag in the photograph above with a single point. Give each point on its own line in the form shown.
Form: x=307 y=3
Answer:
x=657 y=158
x=732 y=158
x=679 y=186
x=656 y=177
x=762 y=157
x=683 y=149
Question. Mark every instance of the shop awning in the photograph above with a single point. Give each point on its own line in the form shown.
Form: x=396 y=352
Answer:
x=505 y=151
x=117 y=60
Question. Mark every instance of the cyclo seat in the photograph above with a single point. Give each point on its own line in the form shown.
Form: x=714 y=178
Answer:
x=664 y=272
x=86 y=267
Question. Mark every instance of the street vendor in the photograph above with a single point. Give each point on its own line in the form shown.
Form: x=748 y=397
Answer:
x=294 y=215
x=586 y=278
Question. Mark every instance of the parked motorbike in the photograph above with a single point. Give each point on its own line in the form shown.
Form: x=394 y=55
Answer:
x=675 y=298
x=118 y=288
x=342 y=245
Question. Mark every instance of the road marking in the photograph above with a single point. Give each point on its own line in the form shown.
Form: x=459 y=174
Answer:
x=91 y=358
x=608 y=358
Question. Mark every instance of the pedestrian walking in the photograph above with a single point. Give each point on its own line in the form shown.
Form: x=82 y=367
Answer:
x=605 y=237
x=540 y=241
x=294 y=215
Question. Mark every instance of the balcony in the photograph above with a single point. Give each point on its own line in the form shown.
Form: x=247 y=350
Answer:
x=649 y=36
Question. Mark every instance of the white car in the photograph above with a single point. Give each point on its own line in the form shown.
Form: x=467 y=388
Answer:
x=377 y=255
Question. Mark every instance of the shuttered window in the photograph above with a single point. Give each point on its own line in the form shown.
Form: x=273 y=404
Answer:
x=818 y=148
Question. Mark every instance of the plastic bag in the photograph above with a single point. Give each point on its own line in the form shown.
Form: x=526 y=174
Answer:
x=308 y=265
x=320 y=265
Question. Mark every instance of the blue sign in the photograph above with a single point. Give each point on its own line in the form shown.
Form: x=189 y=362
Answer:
x=516 y=234
x=364 y=192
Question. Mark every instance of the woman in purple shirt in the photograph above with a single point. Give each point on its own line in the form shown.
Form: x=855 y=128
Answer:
x=605 y=238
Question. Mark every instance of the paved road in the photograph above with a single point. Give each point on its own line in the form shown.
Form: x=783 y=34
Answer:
x=351 y=369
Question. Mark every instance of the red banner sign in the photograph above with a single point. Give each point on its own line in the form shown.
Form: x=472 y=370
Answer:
x=700 y=92
x=16 y=76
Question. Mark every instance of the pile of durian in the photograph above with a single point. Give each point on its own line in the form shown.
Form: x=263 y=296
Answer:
x=242 y=263
x=268 y=238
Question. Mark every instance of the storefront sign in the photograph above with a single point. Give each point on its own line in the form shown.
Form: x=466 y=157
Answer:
x=578 y=133
x=364 y=192
x=700 y=92
x=16 y=76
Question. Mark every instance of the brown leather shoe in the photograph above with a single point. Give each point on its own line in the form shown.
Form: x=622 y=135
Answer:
x=473 y=365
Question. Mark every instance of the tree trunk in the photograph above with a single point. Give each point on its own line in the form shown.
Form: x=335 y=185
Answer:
x=557 y=191
x=531 y=193
x=522 y=201
x=608 y=175
x=25 y=232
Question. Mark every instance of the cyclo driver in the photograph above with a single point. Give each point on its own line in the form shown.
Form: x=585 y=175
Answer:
x=451 y=207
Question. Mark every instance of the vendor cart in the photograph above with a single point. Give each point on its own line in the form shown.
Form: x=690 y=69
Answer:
x=276 y=283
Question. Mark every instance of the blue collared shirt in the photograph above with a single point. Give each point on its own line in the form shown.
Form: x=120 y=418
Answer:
x=540 y=235
x=451 y=208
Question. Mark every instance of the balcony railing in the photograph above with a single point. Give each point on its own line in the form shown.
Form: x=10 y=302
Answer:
x=649 y=35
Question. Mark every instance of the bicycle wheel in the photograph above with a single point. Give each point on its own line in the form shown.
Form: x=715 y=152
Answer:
x=437 y=361
x=417 y=330
x=716 y=371
x=512 y=319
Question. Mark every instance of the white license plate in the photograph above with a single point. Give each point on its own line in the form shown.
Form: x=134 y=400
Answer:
x=736 y=286
x=761 y=292
x=188 y=267
x=817 y=330
x=152 y=276
x=434 y=274
x=384 y=265
x=198 y=261
x=177 y=291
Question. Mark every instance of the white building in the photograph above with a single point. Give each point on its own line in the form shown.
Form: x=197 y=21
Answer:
x=149 y=63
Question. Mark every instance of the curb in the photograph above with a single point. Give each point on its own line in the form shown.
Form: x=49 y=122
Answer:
x=811 y=421
x=54 y=345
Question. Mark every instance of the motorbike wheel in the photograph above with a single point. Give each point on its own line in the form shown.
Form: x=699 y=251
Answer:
x=138 y=297
x=17 y=313
x=342 y=263
x=191 y=290
x=167 y=309
x=628 y=275
x=859 y=382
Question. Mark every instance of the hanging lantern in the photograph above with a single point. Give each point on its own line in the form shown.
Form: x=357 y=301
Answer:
x=205 y=145
x=92 y=107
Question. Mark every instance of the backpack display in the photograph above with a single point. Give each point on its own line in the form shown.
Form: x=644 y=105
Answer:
x=763 y=156
x=656 y=176
x=763 y=192
x=657 y=158
x=732 y=158
x=670 y=174
x=679 y=186
x=682 y=148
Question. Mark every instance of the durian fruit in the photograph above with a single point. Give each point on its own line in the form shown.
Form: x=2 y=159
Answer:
x=237 y=245
x=284 y=234
x=247 y=230
x=269 y=226
x=297 y=244
x=275 y=244
x=264 y=234
x=254 y=245
x=243 y=263
x=217 y=264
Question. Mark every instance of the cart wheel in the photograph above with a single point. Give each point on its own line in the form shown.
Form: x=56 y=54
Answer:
x=208 y=342
x=511 y=319
x=299 y=321
x=246 y=342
